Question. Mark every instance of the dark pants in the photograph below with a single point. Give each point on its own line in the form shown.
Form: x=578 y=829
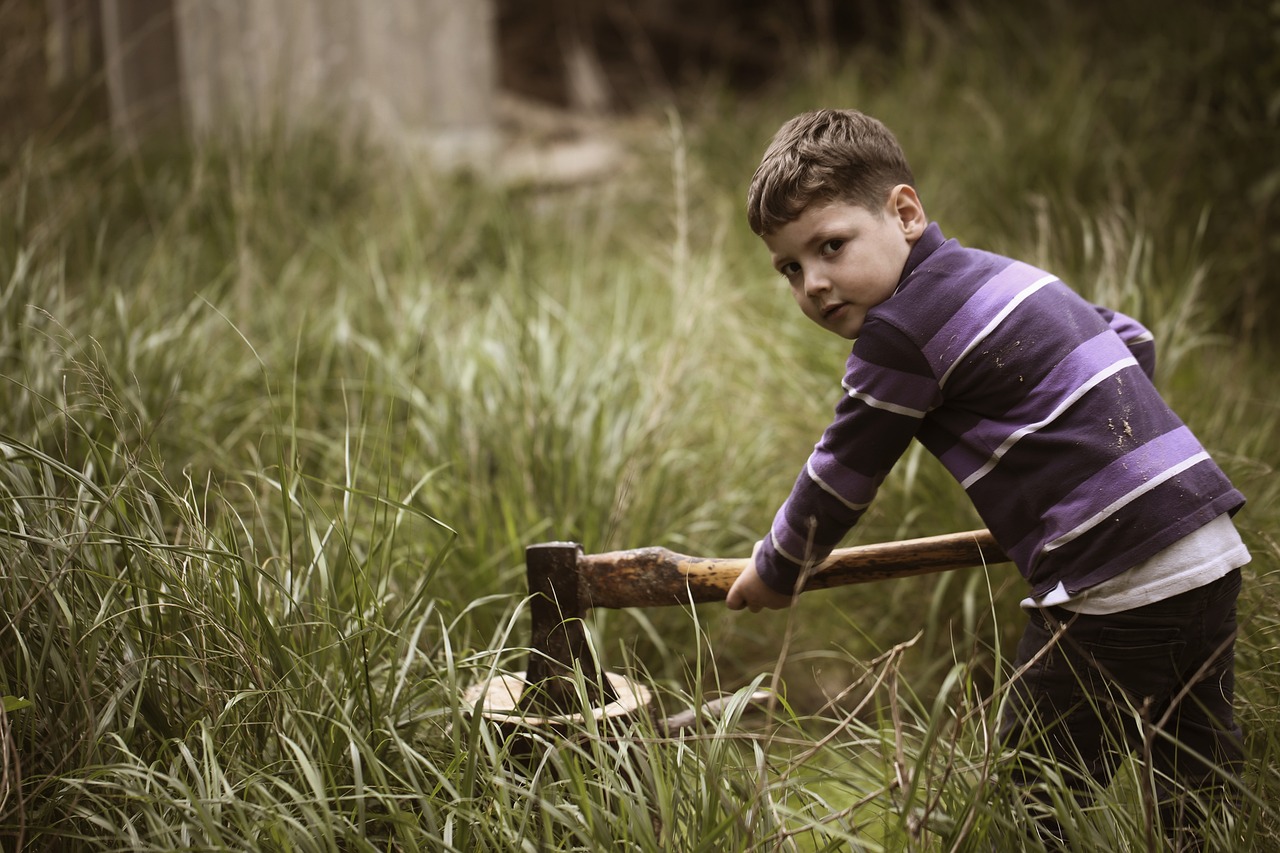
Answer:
x=1158 y=679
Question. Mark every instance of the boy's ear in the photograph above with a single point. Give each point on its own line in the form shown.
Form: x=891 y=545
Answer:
x=905 y=206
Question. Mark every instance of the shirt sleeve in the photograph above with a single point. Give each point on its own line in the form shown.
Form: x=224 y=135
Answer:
x=1136 y=337
x=878 y=414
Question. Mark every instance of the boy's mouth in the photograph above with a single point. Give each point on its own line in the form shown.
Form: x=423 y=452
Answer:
x=829 y=310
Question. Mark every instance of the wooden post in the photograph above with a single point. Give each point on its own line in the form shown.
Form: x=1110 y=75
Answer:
x=75 y=41
x=141 y=57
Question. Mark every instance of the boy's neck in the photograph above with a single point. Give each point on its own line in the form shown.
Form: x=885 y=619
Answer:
x=928 y=243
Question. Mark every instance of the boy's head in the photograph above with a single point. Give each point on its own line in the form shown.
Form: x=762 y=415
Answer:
x=824 y=156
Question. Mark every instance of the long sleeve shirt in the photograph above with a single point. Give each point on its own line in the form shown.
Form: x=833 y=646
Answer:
x=1038 y=402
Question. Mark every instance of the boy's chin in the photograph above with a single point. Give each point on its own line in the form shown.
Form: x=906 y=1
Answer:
x=840 y=327
x=839 y=332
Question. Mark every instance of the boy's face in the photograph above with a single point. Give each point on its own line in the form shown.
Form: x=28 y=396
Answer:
x=843 y=259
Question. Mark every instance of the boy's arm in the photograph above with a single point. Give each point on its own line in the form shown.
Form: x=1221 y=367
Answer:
x=1136 y=337
x=874 y=422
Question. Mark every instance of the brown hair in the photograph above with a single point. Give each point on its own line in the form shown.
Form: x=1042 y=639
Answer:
x=822 y=156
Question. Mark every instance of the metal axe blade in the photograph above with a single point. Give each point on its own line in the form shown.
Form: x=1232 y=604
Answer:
x=558 y=638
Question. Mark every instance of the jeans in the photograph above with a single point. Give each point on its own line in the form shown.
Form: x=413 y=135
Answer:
x=1158 y=679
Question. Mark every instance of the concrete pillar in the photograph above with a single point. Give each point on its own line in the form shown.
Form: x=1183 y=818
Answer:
x=405 y=73
x=428 y=74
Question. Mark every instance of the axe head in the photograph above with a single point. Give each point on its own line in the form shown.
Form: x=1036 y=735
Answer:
x=558 y=640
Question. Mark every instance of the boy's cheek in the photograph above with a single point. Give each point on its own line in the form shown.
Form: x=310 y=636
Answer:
x=806 y=306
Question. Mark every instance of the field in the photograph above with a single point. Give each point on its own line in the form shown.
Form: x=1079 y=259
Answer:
x=279 y=421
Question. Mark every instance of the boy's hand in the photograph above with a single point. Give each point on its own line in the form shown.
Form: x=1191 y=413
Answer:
x=750 y=592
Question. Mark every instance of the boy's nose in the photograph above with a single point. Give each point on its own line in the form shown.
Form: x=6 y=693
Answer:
x=815 y=283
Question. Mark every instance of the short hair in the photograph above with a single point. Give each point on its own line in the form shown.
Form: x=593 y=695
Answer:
x=823 y=156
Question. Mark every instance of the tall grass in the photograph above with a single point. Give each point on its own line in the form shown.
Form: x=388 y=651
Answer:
x=278 y=424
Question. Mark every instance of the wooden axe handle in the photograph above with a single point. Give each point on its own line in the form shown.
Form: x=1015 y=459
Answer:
x=648 y=577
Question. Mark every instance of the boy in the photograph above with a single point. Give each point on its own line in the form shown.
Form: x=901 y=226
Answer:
x=1042 y=406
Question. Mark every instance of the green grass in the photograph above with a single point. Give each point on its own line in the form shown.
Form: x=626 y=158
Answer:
x=278 y=424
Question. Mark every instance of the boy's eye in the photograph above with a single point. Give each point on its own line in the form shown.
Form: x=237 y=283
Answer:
x=832 y=245
x=789 y=269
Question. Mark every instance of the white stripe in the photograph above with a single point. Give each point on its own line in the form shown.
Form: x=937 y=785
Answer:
x=996 y=321
x=1141 y=339
x=1102 y=515
x=1019 y=434
x=822 y=484
x=881 y=404
x=783 y=551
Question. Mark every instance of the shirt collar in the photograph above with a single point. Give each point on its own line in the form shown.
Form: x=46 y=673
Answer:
x=928 y=243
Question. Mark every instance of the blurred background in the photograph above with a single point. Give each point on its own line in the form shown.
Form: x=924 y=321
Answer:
x=476 y=84
x=315 y=313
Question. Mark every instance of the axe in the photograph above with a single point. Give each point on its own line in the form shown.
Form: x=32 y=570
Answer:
x=564 y=584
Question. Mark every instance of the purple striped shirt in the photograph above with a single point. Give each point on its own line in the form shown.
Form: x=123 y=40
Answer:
x=1038 y=402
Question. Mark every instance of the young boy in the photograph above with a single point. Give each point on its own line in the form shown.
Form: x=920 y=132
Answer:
x=1042 y=406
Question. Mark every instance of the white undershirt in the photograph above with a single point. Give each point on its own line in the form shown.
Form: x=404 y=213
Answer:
x=1199 y=558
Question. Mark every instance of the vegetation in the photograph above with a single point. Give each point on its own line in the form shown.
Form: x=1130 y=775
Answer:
x=278 y=424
